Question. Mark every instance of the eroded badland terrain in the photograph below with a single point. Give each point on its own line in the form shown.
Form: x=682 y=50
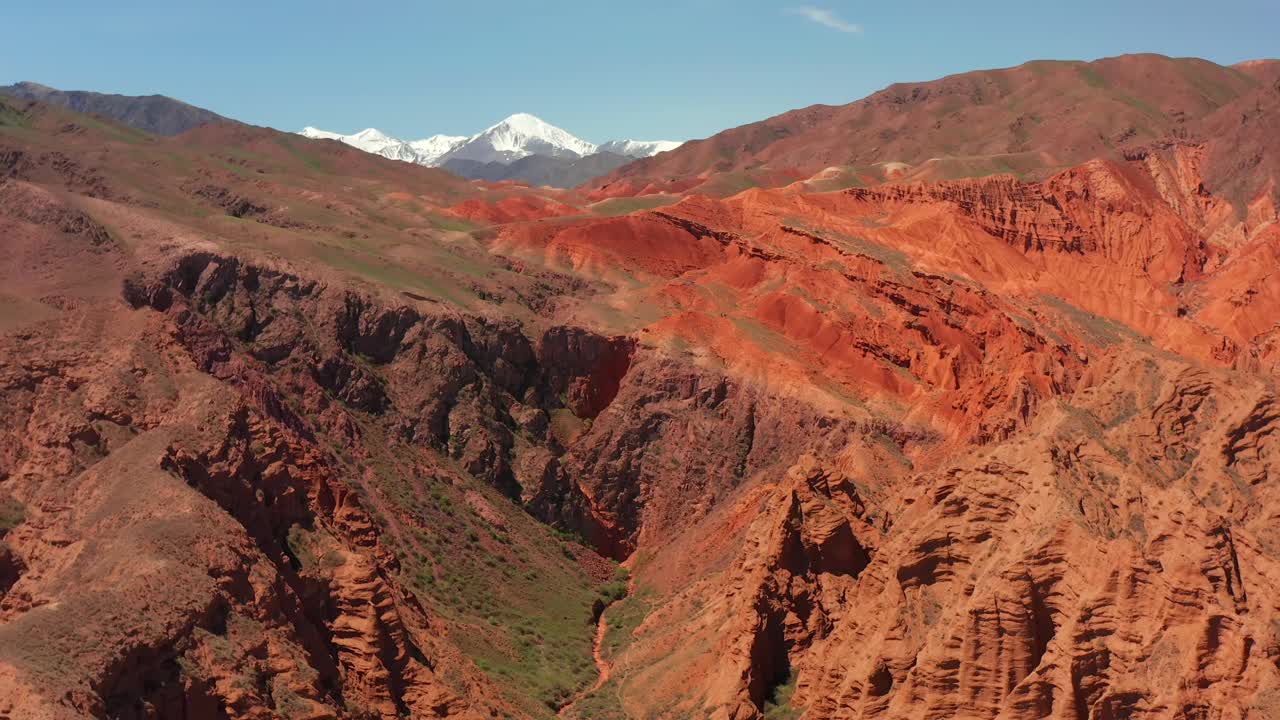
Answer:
x=956 y=402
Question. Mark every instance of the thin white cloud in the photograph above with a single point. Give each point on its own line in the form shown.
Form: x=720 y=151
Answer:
x=826 y=18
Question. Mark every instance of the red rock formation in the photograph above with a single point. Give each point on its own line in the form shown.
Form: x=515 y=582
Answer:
x=1057 y=576
x=982 y=448
x=1108 y=210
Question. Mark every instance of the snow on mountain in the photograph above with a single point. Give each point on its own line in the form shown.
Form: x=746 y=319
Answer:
x=519 y=136
x=318 y=134
x=369 y=140
x=639 y=148
x=431 y=150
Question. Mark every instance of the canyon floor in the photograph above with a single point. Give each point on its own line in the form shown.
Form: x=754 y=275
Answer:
x=295 y=431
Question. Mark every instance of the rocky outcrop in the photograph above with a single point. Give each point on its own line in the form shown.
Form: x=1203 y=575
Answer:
x=803 y=555
x=204 y=495
x=1101 y=208
x=585 y=368
x=675 y=443
x=30 y=203
x=1057 y=578
x=236 y=206
x=1080 y=568
x=445 y=381
x=483 y=393
x=279 y=492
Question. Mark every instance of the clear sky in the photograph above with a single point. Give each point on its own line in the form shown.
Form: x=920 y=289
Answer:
x=601 y=69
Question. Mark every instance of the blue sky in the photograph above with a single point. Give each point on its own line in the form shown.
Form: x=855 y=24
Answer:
x=603 y=69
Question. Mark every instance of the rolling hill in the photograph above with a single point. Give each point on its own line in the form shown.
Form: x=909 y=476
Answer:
x=150 y=113
x=1028 y=120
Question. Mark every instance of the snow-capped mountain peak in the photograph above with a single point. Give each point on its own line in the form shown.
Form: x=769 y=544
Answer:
x=530 y=126
x=318 y=134
x=526 y=123
x=435 y=147
x=518 y=136
x=374 y=135
x=370 y=140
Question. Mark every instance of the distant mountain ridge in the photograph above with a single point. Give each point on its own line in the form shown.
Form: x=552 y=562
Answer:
x=1029 y=120
x=156 y=114
x=521 y=147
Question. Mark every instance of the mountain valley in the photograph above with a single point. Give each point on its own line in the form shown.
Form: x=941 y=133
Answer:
x=961 y=400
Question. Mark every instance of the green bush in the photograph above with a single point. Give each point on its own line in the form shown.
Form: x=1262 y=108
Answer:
x=12 y=513
x=299 y=542
x=778 y=707
x=332 y=559
x=613 y=592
